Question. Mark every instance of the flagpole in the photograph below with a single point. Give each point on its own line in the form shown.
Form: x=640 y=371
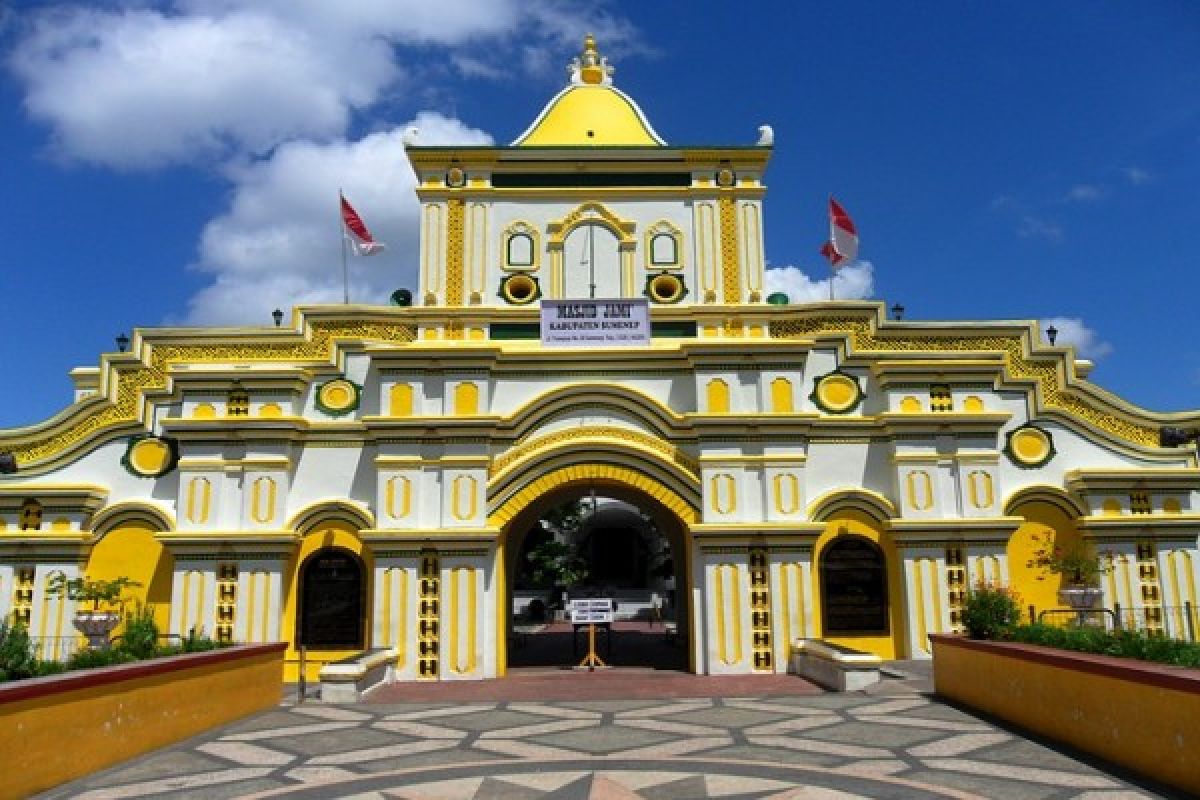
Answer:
x=832 y=266
x=342 y=239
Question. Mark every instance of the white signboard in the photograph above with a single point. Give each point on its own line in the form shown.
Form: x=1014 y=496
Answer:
x=591 y=609
x=623 y=322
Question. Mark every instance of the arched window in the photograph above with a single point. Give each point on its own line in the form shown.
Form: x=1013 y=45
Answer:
x=718 y=396
x=663 y=242
x=663 y=250
x=520 y=250
x=853 y=588
x=401 y=397
x=520 y=247
x=466 y=399
x=781 y=396
x=332 y=599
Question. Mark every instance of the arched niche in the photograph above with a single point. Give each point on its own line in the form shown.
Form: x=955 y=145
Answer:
x=854 y=590
x=332 y=601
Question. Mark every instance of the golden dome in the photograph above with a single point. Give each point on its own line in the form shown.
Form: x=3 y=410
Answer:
x=590 y=111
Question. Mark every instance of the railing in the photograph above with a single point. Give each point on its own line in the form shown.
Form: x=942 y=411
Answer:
x=56 y=648
x=61 y=648
x=1175 y=622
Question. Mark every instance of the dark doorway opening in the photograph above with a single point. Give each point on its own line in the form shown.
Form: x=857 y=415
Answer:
x=595 y=547
x=854 y=597
x=332 y=597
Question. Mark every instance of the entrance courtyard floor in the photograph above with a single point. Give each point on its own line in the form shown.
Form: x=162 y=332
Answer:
x=625 y=734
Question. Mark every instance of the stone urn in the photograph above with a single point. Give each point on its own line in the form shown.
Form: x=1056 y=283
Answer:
x=1080 y=597
x=96 y=626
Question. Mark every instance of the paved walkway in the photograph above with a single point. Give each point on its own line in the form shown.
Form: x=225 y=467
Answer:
x=774 y=744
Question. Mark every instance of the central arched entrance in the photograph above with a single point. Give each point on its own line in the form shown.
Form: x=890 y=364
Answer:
x=628 y=533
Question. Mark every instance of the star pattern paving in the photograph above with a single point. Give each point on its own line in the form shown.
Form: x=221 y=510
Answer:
x=828 y=747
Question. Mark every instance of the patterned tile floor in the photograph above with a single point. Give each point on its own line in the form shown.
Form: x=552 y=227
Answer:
x=893 y=742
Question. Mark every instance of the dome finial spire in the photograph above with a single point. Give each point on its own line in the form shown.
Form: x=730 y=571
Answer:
x=590 y=67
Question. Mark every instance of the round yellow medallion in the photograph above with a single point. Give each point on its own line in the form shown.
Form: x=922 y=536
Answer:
x=837 y=393
x=149 y=457
x=338 y=396
x=1030 y=446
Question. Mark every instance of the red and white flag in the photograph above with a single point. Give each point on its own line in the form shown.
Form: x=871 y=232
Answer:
x=843 y=236
x=362 y=243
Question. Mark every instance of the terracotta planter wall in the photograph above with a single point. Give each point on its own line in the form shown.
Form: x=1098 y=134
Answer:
x=1138 y=715
x=62 y=727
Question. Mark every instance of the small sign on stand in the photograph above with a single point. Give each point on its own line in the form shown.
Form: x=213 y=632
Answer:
x=592 y=611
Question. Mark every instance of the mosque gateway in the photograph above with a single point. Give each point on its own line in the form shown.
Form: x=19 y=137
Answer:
x=758 y=472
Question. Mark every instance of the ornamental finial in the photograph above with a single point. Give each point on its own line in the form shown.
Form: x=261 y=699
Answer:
x=590 y=67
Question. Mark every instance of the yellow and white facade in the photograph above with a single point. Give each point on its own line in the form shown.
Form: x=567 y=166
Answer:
x=781 y=448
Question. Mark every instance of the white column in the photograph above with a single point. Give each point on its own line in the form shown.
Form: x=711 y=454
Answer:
x=194 y=598
x=926 y=604
x=727 y=613
x=394 y=619
x=50 y=617
x=466 y=629
x=791 y=602
x=8 y=580
x=259 y=601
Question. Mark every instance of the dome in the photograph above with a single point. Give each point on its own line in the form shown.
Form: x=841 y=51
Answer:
x=590 y=111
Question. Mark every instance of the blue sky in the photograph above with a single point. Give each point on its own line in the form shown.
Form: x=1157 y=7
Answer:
x=177 y=163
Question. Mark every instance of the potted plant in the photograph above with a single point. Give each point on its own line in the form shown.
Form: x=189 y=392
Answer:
x=94 y=623
x=1080 y=567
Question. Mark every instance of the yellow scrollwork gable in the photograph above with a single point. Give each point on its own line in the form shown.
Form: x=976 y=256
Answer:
x=134 y=380
x=1049 y=375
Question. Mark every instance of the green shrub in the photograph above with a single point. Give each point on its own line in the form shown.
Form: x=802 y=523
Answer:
x=1123 y=644
x=89 y=658
x=43 y=668
x=197 y=642
x=990 y=611
x=16 y=653
x=141 y=633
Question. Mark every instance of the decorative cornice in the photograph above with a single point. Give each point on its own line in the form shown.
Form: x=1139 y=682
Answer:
x=1048 y=372
x=130 y=378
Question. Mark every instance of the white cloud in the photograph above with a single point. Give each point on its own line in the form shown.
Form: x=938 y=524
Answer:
x=277 y=244
x=1136 y=176
x=854 y=282
x=1033 y=227
x=1073 y=331
x=1085 y=193
x=136 y=88
x=202 y=81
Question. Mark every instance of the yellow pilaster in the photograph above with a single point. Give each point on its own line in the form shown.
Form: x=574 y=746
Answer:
x=731 y=277
x=455 y=277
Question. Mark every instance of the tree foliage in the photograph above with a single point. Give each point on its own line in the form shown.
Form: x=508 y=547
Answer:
x=553 y=564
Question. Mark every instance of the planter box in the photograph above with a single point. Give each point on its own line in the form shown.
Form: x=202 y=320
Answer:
x=1136 y=714
x=61 y=727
